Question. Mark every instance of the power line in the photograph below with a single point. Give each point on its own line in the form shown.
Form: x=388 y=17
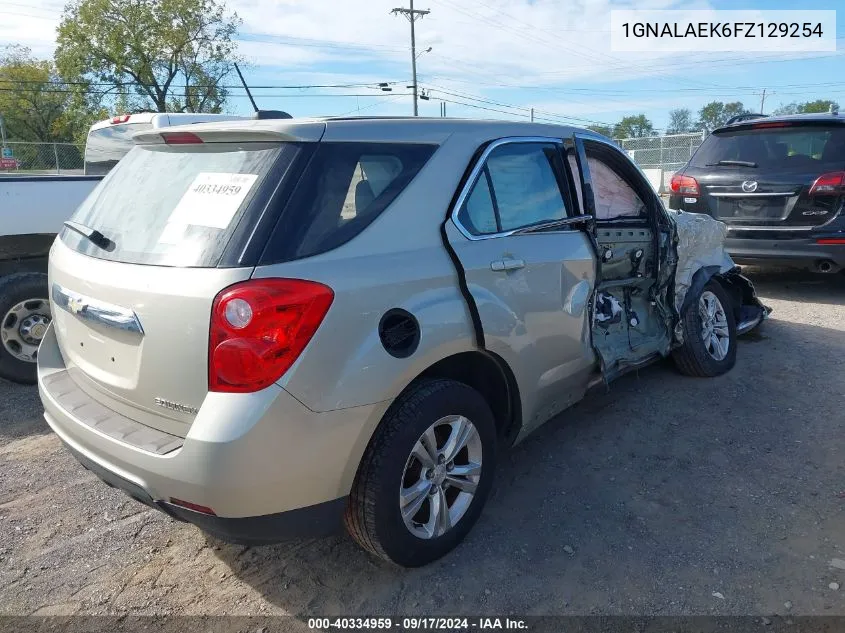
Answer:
x=135 y=84
x=516 y=107
x=532 y=30
x=314 y=43
x=372 y=105
x=267 y=96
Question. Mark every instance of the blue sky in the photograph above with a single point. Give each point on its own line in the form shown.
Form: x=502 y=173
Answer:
x=488 y=58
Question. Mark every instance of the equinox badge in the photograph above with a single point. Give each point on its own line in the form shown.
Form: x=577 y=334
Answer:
x=175 y=406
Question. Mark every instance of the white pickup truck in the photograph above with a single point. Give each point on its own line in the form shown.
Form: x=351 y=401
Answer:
x=32 y=210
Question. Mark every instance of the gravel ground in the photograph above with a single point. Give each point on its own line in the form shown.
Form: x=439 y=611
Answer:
x=664 y=496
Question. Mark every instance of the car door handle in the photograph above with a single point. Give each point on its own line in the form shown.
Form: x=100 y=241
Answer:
x=507 y=264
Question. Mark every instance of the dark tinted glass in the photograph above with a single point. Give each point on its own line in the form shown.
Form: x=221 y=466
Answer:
x=799 y=146
x=344 y=188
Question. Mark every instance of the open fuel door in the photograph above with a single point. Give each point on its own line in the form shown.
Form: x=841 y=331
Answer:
x=630 y=323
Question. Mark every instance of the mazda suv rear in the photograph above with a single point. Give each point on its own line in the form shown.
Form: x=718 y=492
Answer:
x=779 y=185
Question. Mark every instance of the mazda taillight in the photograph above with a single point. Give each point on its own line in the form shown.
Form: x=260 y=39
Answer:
x=259 y=328
x=684 y=185
x=830 y=184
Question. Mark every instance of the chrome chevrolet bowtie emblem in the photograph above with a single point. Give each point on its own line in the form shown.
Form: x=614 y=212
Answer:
x=76 y=305
x=749 y=186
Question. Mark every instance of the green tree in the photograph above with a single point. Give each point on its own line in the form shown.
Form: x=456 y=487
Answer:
x=680 y=121
x=819 y=105
x=604 y=130
x=162 y=55
x=716 y=114
x=634 y=126
x=34 y=103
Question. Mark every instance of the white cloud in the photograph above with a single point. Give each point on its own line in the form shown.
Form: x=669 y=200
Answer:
x=32 y=24
x=511 y=50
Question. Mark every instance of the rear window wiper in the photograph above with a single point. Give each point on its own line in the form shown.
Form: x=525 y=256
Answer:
x=738 y=163
x=96 y=238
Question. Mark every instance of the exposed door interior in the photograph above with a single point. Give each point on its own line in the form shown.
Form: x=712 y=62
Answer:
x=627 y=328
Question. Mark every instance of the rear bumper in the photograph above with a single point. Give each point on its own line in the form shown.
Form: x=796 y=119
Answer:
x=800 y=252
x=314 y=521
x=268 y=467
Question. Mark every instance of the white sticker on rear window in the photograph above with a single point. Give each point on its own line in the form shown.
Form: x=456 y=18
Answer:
x=212 y=199
x=173 y=233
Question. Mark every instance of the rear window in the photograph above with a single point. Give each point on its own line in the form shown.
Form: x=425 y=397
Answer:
x=779 y=148
x=107 y=145
x=176 y=205
x=344 y=188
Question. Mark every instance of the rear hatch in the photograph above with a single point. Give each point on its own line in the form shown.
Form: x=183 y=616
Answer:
x=762 y=175
x=174 y=224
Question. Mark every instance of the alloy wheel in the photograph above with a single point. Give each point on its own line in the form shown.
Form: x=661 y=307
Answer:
x=440 y=477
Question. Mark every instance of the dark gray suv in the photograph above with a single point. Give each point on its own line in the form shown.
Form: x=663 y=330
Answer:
x=779 y=185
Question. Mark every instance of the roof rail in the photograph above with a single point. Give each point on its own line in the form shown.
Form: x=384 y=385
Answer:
x=744 y=117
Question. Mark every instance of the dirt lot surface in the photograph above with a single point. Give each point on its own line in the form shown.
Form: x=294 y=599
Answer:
x=666 y=495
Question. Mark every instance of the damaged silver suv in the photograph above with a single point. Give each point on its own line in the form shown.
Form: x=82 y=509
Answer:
x=267 y=328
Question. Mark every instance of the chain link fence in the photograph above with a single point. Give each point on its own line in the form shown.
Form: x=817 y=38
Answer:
x=23 y=159
x=670 y=152
x=662 y=156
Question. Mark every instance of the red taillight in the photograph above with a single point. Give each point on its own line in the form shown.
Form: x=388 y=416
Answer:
x=259 y=328
x=830 y=184
x=121 y=118
x=684 y=185
x=193 y=506
x=831 y=240
x=180 y=138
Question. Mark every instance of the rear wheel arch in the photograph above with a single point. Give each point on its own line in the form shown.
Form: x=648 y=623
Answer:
x=491 y=376
x=705 y=275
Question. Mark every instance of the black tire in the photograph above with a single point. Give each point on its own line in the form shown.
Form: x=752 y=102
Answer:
x=692 y=358
x=373 y=516
x=14 y=289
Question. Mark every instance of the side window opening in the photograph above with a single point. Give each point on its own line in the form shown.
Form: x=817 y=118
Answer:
x=617 y=192
x=518 y=187
x=614 y=197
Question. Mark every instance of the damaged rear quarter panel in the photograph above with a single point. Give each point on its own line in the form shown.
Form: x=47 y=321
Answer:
x=700 y=243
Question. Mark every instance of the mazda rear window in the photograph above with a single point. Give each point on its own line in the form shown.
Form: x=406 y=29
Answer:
x=345 y=187
x=175 y=205
x=775 y=148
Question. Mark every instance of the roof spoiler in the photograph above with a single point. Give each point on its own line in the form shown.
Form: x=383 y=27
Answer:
x=271 y=114
x=739 y=118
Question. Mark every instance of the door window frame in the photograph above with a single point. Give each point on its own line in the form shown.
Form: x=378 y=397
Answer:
x=641 y=185
x=480 y=169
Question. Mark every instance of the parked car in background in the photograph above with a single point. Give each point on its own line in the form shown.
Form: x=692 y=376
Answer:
x=266 y=327
x=779 y=185
x=32 y=209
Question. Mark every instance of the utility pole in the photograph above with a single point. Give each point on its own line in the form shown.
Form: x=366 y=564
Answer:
x=532 y=115
x=763 y=101
x=413 y=15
